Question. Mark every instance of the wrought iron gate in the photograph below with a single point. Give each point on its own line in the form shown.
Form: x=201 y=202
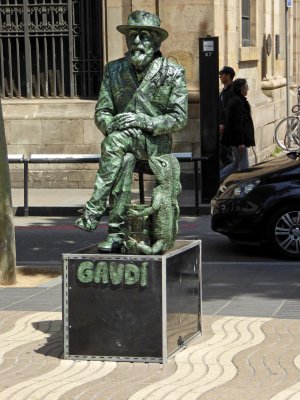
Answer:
x=50 y=48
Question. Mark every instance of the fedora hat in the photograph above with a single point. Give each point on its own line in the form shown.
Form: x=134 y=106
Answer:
x=143 y=20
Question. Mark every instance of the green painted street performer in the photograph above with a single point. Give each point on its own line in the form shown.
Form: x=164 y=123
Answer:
x=143 y=100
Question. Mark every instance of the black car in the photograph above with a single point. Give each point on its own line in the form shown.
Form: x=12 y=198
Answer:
x=262 y=204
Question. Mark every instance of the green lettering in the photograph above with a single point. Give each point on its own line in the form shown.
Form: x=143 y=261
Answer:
x=144 y=274
x=101 y=272
x=132 y=274
x=116 y=273
x=85 y=272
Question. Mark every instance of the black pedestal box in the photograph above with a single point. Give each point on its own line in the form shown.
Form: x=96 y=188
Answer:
x=131 y=307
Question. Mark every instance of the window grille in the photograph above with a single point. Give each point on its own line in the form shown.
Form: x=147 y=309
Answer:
x=246 y=23
x=50 y=48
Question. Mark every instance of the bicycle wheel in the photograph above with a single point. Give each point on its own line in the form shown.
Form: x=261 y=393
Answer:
x=287 y=134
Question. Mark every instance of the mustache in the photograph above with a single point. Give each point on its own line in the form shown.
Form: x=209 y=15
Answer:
x=133 y=49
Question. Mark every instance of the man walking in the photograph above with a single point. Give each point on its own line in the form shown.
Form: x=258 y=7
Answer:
x=239 y=128
x=142 y=101
x=226 y=77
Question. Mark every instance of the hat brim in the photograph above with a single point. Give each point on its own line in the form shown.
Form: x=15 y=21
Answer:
x=162 y=33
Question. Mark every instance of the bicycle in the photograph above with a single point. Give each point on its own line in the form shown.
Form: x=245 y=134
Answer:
x=287 y=132
x=296 y=108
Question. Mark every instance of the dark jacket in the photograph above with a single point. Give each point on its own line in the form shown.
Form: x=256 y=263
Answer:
x=162 y=95
x=223 y=101
x=239 y=127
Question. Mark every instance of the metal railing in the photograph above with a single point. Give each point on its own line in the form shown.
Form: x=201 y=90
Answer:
x=50 y=48
x=141 y=168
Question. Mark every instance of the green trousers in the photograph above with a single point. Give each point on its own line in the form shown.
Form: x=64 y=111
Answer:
x=119 y=152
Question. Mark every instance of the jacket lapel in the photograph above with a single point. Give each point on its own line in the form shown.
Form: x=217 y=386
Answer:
x=152 y=71
x=144 y=86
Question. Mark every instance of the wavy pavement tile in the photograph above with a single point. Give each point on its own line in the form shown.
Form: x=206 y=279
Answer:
x=52 y=385
x=293 y=392
x=9 y=318
x=26 y=330
x=30 y=360
x=269 y=366
x=128 y=378
x=121 y=383
x=205 y=366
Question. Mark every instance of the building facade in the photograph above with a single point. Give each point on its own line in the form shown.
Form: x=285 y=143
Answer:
x=52 y=55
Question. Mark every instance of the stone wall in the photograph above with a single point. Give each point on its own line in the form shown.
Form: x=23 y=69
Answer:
x=52 y=126
x=66 y=126
x=186 y=21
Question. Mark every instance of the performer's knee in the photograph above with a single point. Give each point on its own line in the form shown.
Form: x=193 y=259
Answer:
x=114 y=143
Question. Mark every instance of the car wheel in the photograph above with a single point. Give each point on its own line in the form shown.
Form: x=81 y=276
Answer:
x=284 y=231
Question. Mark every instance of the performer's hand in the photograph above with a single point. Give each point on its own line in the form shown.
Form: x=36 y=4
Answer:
x=125 y=120
x=135 y=133
x=130 y=120
x=242 y=148
x=132 y=213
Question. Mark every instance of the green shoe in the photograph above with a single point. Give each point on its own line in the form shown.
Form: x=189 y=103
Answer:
x=112 y=244
x=87 y=222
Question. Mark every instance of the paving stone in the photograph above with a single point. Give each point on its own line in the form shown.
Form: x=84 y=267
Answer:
x=233 y=351
x=242 y=358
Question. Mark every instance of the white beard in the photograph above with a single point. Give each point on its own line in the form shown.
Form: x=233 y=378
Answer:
x=141 y=60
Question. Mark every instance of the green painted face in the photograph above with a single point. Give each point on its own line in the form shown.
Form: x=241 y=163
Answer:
x=142 y=46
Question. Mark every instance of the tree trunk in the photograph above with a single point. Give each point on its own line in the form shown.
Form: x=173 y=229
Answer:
x=7 y=231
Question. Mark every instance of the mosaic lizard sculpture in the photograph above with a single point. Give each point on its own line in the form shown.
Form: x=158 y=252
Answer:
x=164 y=207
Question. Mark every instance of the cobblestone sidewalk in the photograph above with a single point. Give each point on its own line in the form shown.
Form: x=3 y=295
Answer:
x=236 y=358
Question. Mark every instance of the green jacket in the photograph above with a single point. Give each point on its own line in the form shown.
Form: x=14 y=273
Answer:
x=162 y=95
